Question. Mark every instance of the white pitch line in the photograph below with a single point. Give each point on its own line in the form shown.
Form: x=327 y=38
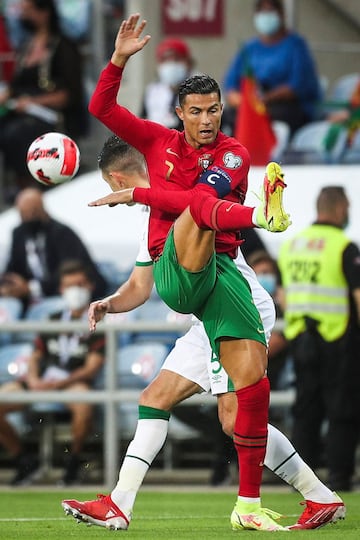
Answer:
x=145 y=518
x=32 y=519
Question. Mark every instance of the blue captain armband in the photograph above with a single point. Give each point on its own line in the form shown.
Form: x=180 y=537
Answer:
x=218 y=179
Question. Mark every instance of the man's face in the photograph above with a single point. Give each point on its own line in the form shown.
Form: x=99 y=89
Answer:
x=201 y=115
x=76 y=290
x=76 y=279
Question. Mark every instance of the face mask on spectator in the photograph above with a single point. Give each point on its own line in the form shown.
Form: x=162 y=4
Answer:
x=267 y=23
x=76 y=297
x=268 y=281
x=172 y=73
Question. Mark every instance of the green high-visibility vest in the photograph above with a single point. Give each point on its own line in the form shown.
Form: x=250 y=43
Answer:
x=314 y=282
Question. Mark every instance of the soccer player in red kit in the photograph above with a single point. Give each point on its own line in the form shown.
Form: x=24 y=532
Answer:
x=186 y=371
x=204 y=172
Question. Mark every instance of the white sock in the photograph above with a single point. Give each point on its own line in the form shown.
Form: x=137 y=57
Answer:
x=148 y=440
x=254 y=216
x=282 y=458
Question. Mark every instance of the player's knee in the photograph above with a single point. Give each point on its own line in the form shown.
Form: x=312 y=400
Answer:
x=149 y=397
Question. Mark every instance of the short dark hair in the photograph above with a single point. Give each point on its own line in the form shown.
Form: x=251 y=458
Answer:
x=329 y=197
x=276 y=4
x=75 y=266
x=119 y=155
x=262 y=256
x=50 y=6
x=198 y=84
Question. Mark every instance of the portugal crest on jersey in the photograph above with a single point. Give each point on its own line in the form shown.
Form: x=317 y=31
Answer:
x=205 y=161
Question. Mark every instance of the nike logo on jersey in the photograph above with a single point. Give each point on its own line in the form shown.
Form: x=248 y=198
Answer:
x=170 y=151
x=229 y=207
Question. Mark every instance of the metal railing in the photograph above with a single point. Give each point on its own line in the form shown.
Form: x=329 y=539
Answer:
x=110 y=396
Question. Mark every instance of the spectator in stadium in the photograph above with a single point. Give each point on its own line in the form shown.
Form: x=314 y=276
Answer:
x=174 y=64
x=344 y=126
x=320 y=271
x=267 y=271
x=59 y=362
x=39 y=245
x=282 y=65
x=45 y=93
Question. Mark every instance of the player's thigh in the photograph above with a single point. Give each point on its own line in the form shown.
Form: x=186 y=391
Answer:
x=182 y=290
x=190 y=357
x=229 y=311
x=194 y=247
x=244 y=360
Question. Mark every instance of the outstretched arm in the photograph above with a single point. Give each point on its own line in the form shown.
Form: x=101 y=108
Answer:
x=174 y=201
x=128 y=41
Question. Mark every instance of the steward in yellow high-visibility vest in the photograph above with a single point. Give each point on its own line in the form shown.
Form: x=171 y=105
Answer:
x=313 y=279
x=320 y=274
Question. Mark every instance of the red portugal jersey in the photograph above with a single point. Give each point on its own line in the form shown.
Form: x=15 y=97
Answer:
x=172 y=163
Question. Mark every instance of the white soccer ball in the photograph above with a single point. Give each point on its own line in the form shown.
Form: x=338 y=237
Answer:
x=53 y=158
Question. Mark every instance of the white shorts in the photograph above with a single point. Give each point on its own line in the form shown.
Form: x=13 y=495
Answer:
x=191 y=356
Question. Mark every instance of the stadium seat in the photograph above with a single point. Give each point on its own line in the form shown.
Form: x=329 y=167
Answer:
x=282 y=134
x=40 y=311
x=124 y=338
x=44 y=414
x=308 y=145
x=138 y=365
x=50 y=418
x=10 y=310
x=155 y=310
x=14 y=360
x=342 y=89
x=113 y=275
x=44 y=308
x=352 y=154
x=13 y=364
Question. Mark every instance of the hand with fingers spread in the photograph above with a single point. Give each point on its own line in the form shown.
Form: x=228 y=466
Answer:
x=124 y=196
x=97 y=311
x=128 y=41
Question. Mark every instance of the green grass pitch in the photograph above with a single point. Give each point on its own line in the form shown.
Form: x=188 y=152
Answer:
x=37 y=515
